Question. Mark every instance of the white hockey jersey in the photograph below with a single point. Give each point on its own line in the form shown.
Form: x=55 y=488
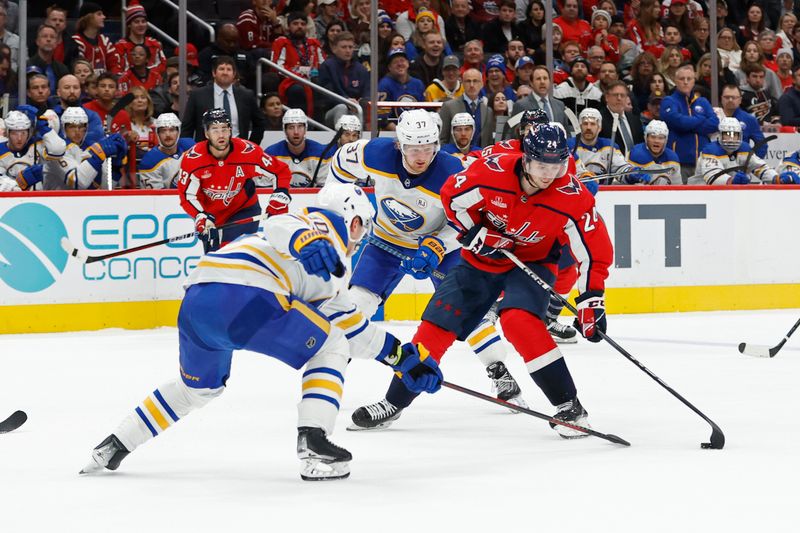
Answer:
x=408 y=207
x=158 y=170
x=305 y=165
x=47 y=151
x=714 y=161
x=600 y=158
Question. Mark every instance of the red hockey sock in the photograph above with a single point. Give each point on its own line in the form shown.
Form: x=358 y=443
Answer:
x=527 y=333
x=435 y=339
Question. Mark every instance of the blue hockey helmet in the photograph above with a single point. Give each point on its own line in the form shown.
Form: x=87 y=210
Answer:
x=216 y=115
x=546 y=152
x=530 y=118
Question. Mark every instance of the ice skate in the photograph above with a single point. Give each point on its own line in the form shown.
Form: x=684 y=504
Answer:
x=504 y=386
x=574 y=413
x=562 y=333
x=321 y=460
x=375 y=416
x=108 y=454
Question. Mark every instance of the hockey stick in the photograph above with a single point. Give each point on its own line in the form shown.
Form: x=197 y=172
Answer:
x=397 y=253
x=606 y=436
x=737 y=168
x=757 y=350
x=126 y=99
x=322 y=155
x=717 y=440
x=14 y=421
x=663 y=170
x=86 y=259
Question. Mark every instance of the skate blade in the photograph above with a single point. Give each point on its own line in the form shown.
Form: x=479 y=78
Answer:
x=379 y=427
x=316 y=470
x=90 y=468
x=559 y=340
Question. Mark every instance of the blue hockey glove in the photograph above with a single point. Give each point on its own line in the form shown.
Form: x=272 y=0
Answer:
x=29 y=177
x=632 y=179
x=591 y=315
x=42 y=126
x=788 y=177
x=418 y=371
x=740 y=178
x=429 y=255
x=31 y=111
x=316 y=253
x=486 y=242
x=592 y=186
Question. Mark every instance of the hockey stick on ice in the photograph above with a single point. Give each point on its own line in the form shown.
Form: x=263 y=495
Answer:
x=757 y=350
x=73 y=251
x=14 y=421
x=606 y=436
x=397 y=253
x=717 y=440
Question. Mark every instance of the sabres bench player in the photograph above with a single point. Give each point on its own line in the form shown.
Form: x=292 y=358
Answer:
x=160 y=166
x=218 y=180
x=530 y=204
x=408 y=174
x=290 y=279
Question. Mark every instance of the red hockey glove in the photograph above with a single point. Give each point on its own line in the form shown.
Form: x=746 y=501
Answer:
x=591 y=315
x=279 y=202
x=486 y=242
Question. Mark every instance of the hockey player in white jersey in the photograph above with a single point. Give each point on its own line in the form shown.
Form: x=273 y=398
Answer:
x=722 y=161
x=27 y=161
x=408 y=174
x=256 y=294
x=597 y=154
x=301 y=154
x=160 y=166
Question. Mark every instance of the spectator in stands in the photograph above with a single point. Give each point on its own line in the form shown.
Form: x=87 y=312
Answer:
x=65 y=49
x=784 y=59
x=301 y=55
x=385 y=25
x=166 y=97
x=69 y=95
x=327 y=12
x=449 y=86
x=299 y=6
x=678 y=15
x=393 y=42
x=752 y=26
x=621 y=126
x=645 y=30
x=272 y=107
x=143 y=132
x=690 y=120
x=703 y=74
x=576 y=92
x=729 y=49
x=658 y=84
x=786 y=26
x=767 y=41
x=789 y=104
x=699 y=43
x=8 y=80
x=91 y=44
x=473 y=56
x=139 y=74
x=334 y=28
x=428 y=66
x=396 y=85
x=136 y=34
x=471 y=103
x=306 y=158
x=532 y=27
x=193 y=76
x=247 y=120
x=596 y=56
x=514 y=51
x=652 y=109
x=638 y=79
x=8 y=37
x=460 y=27
x=83 y=70
x=731 y=101
x=523 y=72
x=360 y=20
x=599 y=36
x=608 y=74
x=570 y=50
x=340 y=74
x=160 y=166
x=226 y=44
x=44 y=56
x=107 y=89
x=756 y=99
x=571 y=26
x=497 y=33
x=496 y=81
x=669 y=62
x=499 y=110
x=425 y=24
x=39 y=92
x=258 y=27
x=404 y=24
x=674 y=37
x=541 y=99
x=752 y=57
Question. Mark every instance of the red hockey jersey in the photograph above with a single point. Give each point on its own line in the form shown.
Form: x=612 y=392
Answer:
x=158 y=61
x=100 y=52
x=217 y=186
x=488 y=193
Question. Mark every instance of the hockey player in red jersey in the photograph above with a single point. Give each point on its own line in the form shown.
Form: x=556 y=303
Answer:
x=218 y=180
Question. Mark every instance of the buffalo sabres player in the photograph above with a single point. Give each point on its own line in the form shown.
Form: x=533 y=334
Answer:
x=462 y=128
x=654 y=151
x=301 y=154
x=160 y=166
x=408 y=174
x=27 y=161
x=350 y=127
x=790 y=168
x=290 y=279
x=598 y=154
x=722 y=161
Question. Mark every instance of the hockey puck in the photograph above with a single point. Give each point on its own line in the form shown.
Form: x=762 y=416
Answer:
x=741 y=347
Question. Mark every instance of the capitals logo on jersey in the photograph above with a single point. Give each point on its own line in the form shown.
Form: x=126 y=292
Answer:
x=574 y=187
x=402 y=216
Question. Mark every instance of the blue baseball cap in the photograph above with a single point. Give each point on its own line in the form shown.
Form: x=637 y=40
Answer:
x=395 y=52
x=522 y=61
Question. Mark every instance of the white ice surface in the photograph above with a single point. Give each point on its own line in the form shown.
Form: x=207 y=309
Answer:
x=451 y=463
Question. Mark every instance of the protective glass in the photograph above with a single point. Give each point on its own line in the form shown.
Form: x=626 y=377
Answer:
x=422 y=150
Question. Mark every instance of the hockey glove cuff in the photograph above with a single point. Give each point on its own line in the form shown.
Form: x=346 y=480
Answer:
x=428 y=256
x=316 y=253
x=591 y=315
x=29 y=177
x=279 y=202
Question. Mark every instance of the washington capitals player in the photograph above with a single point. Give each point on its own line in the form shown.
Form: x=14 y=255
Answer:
x=218 y=182
x=25 y=158
x=160 y=166
x=284 y=294
x=300 y=154
x=408 y=175
x=529 y=204
x=730 y=152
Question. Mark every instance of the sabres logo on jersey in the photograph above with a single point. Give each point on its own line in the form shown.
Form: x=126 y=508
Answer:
x=574 y=187
x=401 y=215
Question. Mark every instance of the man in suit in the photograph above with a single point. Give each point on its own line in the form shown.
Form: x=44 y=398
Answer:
x=471 y=103
x=629 y=131
x=247 y=119
x=540 y=99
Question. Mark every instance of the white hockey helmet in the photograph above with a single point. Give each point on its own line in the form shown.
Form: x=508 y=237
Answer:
x=591 y=113
x=348 y=123
x=74 y=115
x=17 y=121
x=656 y=127
x=462 y=119
x=294 y=116
x=417 y=127
x=167 y=120
x=349 y=201
x=730 y=133
x=436 y=120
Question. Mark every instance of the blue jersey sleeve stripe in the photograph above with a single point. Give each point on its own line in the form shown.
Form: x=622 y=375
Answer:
x=165 y=405
x=334 y=316
x=315 y=396
x=146 y=422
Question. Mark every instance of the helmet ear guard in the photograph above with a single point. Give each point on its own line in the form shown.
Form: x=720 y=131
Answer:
x=348 y=201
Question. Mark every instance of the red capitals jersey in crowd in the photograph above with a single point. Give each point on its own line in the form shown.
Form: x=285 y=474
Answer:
x=489 y=193
x=130 y=79
x=100 y=52
x=158 y=61
x=217 y=186
x=255 y=32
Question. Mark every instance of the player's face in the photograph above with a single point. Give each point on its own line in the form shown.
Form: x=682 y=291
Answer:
x=463 y=135
x=295 y=134
x=75 y=132
x=419 y=157
x=656 y=144
x=167 y=137
x=17 y=139
x=349 y=136
x=219 y=136
x=540 y=175
x=589 y=131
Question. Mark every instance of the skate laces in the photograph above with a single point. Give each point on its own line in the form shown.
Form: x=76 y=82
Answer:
x=501 y=377
x=558 y=326
x=379 y=410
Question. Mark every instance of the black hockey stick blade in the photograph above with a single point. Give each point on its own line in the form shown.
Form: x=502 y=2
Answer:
x=605 y=436
x=14 y=421
x=757 y=350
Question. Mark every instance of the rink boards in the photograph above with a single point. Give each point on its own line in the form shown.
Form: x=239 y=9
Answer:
x=687 y=249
